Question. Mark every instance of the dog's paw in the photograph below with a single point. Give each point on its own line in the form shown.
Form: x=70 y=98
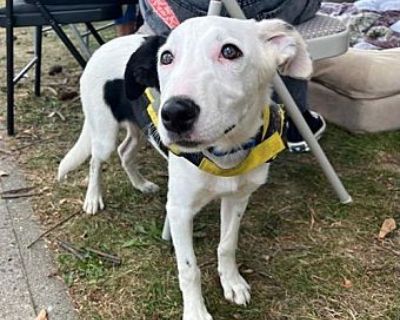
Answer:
x=148 y=187
x=199 y=313
x=93 y=204
x=236 y=289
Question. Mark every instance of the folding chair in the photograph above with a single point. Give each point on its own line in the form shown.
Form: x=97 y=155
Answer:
x=54 y=13
x=326 y=37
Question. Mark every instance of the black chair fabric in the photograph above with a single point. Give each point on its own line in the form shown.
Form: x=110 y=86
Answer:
x=39 y=13
x=27 y=14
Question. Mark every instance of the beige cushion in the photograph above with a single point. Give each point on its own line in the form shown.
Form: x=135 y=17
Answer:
x=359 y=90
x=361 y=74
x=356 y=115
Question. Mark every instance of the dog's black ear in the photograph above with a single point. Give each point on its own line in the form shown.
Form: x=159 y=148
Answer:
x=141 y=69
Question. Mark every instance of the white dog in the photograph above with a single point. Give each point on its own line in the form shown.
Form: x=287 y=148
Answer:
x=215 y=78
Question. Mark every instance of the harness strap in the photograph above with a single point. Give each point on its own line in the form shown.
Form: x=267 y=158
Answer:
x=270 y=145
x=165 y=12
x=265 y=152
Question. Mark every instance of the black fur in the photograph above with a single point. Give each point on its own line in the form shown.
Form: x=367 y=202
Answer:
x=141 y=69
x=116 y=98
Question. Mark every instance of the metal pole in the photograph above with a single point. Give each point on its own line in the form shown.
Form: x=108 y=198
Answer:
x=10 y=66
x=312 y=142
x=38 y=56
x=61 y=34
x=214 y=9
x=84 y=48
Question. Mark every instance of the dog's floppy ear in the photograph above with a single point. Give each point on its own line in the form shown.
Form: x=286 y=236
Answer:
x=292 y=55
x=141 y=69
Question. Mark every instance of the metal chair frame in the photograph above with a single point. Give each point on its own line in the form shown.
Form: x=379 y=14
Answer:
x=36 y=60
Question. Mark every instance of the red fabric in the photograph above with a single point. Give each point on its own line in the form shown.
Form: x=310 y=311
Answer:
x=164 y=11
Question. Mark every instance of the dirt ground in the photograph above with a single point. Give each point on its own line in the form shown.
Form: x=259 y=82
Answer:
x=305 y=255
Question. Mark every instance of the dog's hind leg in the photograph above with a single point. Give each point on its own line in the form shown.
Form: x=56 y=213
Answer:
x=127 y=152
x=103 y=144
x=236 y=289
x=94 y=199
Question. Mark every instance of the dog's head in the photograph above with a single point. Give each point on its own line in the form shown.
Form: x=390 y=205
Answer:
x=215 y=77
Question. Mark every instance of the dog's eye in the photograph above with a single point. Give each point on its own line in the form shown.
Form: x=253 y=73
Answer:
x=231 y=52
x=166 y=58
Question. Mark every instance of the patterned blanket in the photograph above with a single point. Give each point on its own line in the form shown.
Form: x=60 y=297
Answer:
x=374 y=24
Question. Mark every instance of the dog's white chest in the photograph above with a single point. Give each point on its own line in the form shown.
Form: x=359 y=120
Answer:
x=190 y=180
x=240 y=184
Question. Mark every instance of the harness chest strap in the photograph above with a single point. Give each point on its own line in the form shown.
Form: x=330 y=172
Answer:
x=266 y=150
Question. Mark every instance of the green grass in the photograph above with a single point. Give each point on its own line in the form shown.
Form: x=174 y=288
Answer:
x=297 y=269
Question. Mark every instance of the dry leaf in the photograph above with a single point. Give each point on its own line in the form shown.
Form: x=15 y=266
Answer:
x=387 y=226
x=3 y=174
x=347 y=284
x=248 y=271
x=42 y=315
x=312 y=218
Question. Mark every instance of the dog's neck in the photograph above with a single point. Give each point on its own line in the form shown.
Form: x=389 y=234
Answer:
x=247 y=128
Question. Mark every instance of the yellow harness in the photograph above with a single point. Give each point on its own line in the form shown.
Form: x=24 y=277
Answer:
x=269 y=144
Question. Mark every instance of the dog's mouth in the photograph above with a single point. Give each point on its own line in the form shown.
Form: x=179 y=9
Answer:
x=195 y=145
x=187 y=143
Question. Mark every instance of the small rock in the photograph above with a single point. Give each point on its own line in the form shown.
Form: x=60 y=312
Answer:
x=3 y=173
x=55 y=69
x=67 y=95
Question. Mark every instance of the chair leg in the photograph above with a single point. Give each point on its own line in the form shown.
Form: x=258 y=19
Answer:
x=38 y=56
x=84 y=48
x=312 y=142
x=95 y=34
x=10 y=76
x=60 y=33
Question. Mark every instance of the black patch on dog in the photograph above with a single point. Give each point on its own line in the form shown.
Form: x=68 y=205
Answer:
x=116 y=98
x=141 y=69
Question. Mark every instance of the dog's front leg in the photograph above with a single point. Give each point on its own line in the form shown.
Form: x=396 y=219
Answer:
x=181 y=224
x=235 y=287
x=186 y=197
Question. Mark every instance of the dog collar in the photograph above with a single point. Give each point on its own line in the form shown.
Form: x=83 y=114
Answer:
x=245 y=146
x=263 y=148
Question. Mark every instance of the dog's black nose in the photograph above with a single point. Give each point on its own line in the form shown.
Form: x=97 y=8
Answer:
x=179 y=114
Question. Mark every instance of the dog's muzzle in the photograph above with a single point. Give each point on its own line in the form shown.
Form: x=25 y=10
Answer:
x=179 y=114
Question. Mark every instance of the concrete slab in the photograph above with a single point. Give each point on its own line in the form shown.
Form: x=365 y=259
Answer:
x=15 y=298
x=26 y=286
x=5 y=221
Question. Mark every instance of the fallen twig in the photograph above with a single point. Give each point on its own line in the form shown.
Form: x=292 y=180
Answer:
x=207 y=263
x=19 y=190
x=114 y=259
x=53 y=227
x=71 y=249
x=80 y=253
x=20 y=195
x=40 y=140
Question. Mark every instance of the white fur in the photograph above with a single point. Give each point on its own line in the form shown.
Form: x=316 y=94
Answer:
x=100 y=129
x=228 y=93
